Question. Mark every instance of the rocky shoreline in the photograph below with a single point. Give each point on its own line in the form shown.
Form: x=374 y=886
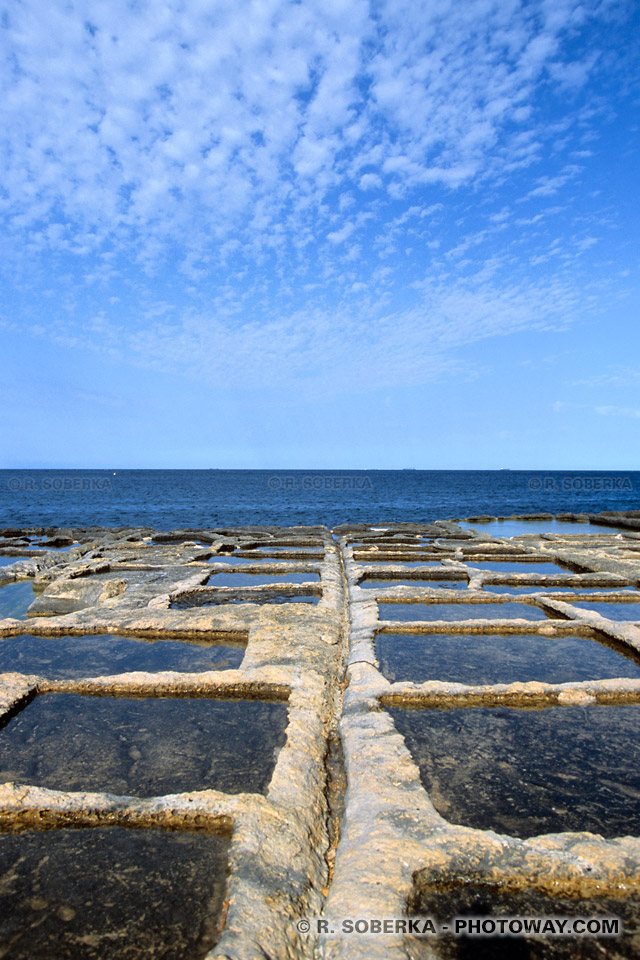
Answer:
x=348 y=823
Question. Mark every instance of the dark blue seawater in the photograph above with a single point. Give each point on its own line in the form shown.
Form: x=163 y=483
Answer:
x=166 y=499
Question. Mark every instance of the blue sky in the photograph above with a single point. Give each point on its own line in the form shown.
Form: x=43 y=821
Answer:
x=320 y=234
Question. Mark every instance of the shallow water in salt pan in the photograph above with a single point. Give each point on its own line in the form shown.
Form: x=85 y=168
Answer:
x=510 y=566
x=528 y=772
x=469 y=901
x=143 y=746
x=458 y=611
x=555 y=588
x=259 y=579
x=109 y=892
x=15 y=599
x=516 y=528
x=376 y=584
x=613 y=611
x=509 y=658
x=92 y=656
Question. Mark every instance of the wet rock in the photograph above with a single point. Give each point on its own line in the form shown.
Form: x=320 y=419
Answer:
x=68 y=596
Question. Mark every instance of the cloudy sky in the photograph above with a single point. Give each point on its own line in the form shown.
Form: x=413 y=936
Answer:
x=328 y=233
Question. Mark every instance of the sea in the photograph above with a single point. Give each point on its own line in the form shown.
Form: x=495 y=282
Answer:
x=170 y=499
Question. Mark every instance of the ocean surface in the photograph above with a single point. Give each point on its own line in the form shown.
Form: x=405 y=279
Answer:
x=166 y=499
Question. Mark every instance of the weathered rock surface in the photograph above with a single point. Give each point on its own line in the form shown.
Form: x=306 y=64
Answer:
x=346 y=828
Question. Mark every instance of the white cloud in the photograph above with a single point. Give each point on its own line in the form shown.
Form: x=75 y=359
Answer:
x=613 y=411
x=363 y=342
x=620 y=376
x=607 y=410
x=548 y=186
x=258 y=161
x=370 y=181
x=339 y=236
x=130 y=123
